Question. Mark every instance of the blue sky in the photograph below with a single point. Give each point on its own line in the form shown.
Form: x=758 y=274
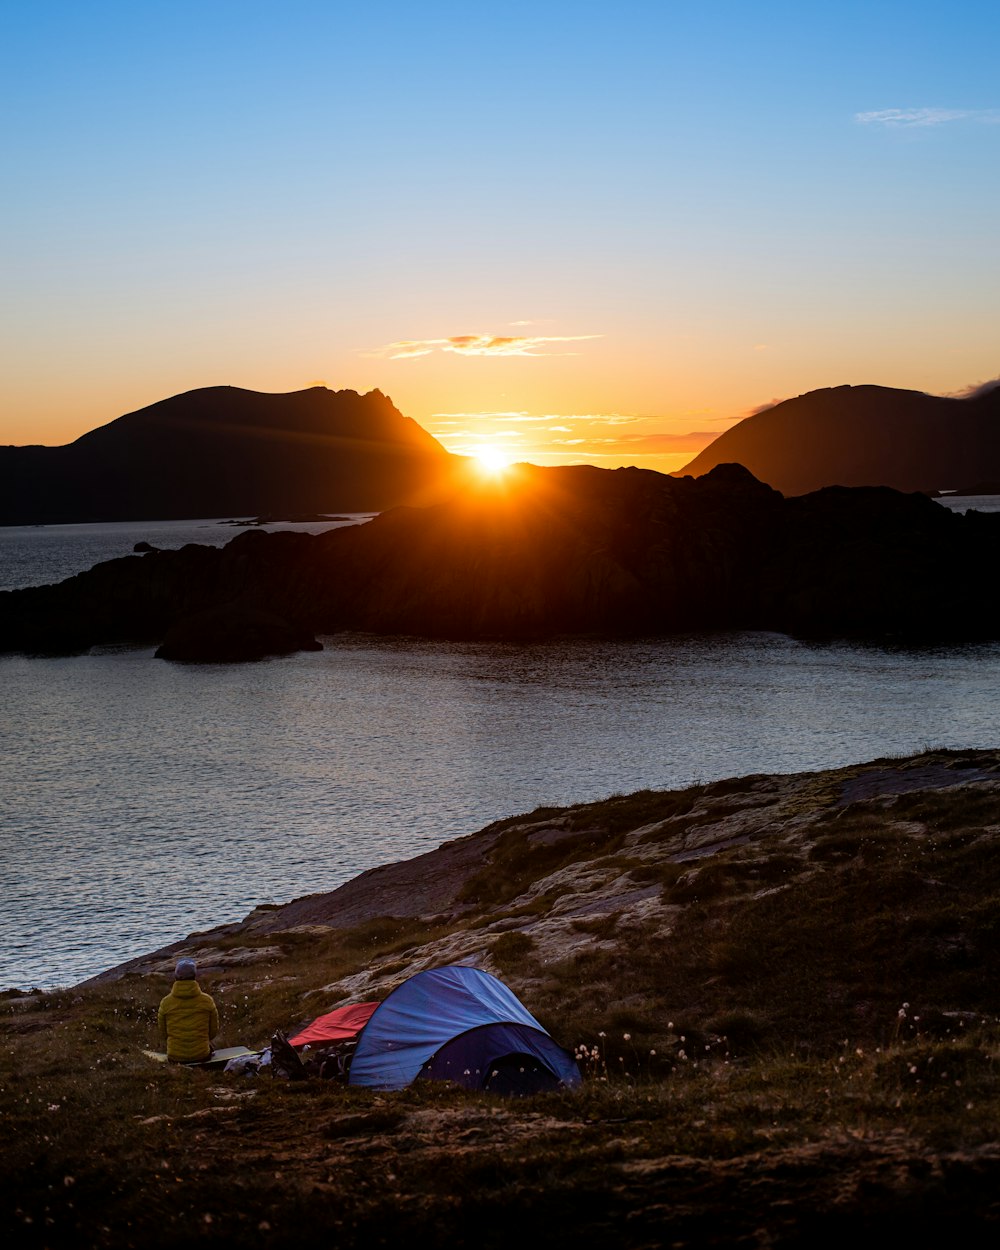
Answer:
x=634 y=221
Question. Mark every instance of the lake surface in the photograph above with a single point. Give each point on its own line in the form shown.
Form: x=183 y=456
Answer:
x=973 y=503
x=36 y=555
x=142 y=800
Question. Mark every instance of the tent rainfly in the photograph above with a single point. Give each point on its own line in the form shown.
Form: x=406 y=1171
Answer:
x=342 y=1024
x=458 y=1024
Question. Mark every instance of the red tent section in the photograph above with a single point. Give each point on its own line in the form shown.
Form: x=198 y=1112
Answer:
x=342 y=1024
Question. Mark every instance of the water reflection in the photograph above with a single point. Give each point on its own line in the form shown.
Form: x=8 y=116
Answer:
x=141 y=800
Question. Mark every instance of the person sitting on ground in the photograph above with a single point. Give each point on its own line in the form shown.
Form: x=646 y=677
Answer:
x=188 y=1018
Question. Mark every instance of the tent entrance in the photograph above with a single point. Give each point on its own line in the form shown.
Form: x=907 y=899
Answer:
x=520 y=1074
x=503 y=1058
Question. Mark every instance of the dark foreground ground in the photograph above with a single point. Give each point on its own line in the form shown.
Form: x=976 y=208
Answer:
x=783 y=990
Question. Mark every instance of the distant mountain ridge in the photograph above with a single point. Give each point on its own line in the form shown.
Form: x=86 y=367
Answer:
x=864 y=436
x=225 y=451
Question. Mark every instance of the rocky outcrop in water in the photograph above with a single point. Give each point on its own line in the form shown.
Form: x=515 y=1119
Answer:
x=230 y=634
x=623 y=552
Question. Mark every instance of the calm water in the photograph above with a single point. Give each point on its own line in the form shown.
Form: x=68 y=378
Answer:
x=35 y=555
x=965 y=503
x=141 y=800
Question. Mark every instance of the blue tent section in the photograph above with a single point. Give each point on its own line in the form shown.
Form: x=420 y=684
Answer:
x=504 y=1058
x=459 y=1024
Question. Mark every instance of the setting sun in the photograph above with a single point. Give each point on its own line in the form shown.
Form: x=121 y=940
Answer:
x=492 y=460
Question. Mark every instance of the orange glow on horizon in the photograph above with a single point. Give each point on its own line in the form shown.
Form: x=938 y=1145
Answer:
x=492 y=461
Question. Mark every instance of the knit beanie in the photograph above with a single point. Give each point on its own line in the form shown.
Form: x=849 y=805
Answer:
x=185 y=970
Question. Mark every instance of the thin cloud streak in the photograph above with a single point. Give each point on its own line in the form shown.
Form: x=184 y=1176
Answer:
x=480 y=345
x=647 y=444
x=452 y=418
x=443 y=418
x=771 y=403
x=976 y=390
x=563 y=438
x=897 y=119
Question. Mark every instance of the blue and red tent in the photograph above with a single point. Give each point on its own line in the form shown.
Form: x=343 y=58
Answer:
x=458 y=1024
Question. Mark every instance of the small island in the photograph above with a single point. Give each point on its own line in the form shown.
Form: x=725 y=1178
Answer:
x=560 y=551
x=297 y=518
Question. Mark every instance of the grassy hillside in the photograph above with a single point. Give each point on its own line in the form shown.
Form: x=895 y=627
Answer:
x=783 y=991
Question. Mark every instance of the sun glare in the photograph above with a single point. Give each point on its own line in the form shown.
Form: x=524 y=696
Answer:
x=492 y=461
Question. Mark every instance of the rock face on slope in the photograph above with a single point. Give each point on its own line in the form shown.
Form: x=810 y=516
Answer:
x=623 y=552
x=890 y=864
x=864 y=436
x=224 y=451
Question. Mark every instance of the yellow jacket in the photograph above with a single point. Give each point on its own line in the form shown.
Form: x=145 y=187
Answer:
x=188 y=1021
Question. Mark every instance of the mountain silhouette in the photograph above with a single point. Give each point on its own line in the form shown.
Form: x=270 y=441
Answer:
x=224 y=451
x=864 y=436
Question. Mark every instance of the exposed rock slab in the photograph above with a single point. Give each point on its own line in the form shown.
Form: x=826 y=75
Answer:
x=562 y=909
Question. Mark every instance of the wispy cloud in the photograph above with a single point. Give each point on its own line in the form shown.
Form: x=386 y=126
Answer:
x=453 y=418
x=912 y=118
x=649 y=444
x=614 y=438
x=975 y=390
x=480 y=345
x=771 y=403
x=595 y=418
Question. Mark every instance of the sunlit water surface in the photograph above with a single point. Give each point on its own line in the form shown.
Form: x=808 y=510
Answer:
x=142 y=800
x=38 y=555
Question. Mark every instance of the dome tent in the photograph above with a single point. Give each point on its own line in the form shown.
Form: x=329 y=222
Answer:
x=463 y=1025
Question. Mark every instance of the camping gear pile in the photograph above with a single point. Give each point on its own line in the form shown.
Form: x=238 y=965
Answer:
x=455 y=1024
